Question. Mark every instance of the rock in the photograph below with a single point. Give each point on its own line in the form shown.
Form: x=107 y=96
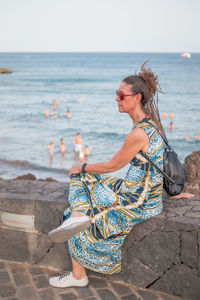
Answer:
x=157 y=250
x=28 y=176
x=28 y=246
x=192 y=168
x=189 y=249
x=49 y=179
x=59 y=257
x=5 y=71
x=179 y=281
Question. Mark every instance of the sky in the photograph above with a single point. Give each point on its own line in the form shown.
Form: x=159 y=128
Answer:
x=99 y=25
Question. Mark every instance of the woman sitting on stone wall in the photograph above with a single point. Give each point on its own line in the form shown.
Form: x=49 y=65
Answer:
x=103 y=209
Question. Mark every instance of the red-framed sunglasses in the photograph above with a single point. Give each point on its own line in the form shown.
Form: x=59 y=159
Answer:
x=121 y=95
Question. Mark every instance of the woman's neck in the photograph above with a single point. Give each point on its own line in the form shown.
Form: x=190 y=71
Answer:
x=137 y=116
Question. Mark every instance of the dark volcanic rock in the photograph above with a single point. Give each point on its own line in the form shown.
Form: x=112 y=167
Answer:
x=28 y=176
x=192 y=168
x=179 y=281
x=49 y=179
x=157 y=250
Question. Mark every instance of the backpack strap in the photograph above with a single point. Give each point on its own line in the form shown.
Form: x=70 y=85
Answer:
x=163 y=137
x=161 y=171
x=147 y=157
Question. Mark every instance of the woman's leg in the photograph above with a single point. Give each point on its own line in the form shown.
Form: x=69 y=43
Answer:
x=77 y=277
x=77 y=214
x=78 y=271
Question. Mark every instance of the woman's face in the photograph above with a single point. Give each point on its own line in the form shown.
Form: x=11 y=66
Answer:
x=126 y=101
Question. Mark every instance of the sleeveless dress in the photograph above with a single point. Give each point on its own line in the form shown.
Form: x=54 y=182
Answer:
x=115 y=206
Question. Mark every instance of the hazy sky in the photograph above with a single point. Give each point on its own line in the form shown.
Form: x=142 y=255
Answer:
x=100 y=25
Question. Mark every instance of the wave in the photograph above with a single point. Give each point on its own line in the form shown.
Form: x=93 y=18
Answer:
x=28 y=165
x=49 y=81
x=111 y=134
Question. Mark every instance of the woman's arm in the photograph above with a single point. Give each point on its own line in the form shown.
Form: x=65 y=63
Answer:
x=135 y=141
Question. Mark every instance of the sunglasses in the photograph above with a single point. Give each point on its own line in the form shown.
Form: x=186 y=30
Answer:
x=121 y=95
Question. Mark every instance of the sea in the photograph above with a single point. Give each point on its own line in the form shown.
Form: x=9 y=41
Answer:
x=85 y=84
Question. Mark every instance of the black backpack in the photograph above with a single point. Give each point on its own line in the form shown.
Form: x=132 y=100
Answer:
x=174 y=172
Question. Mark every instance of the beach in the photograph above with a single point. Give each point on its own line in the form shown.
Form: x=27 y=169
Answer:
x=85 y=84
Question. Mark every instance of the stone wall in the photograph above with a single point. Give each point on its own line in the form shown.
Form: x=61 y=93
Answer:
x=162 y=253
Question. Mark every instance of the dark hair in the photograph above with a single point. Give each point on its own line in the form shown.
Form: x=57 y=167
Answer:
x=146 y=83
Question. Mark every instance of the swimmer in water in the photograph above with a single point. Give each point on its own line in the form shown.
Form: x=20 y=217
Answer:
x=78 y=143
x=69 y=114
x=198 y=137
x=171 y=115
x=187 y=137
x=81 y=155
x=47 y=114
x=87 y=152
x=171 y=126
x=50 y=146
x=55 y=104
x=54 y=115
x=62 y=147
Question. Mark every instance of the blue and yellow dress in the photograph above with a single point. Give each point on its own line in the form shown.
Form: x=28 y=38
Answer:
x=115 y=205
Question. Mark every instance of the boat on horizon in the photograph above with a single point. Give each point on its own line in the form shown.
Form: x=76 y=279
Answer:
x=186 y=55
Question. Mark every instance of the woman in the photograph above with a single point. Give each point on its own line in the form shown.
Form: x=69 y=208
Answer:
x=104 y=209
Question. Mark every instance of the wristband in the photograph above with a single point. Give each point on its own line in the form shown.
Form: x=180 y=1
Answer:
x=83 y=167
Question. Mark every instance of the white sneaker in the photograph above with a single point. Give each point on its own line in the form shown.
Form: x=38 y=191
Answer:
x=69 y=228
x=68 y=280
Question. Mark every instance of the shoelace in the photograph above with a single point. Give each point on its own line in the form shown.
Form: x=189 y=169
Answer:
x=63 y=276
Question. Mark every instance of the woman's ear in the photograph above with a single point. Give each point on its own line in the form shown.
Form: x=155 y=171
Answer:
x=138 y=98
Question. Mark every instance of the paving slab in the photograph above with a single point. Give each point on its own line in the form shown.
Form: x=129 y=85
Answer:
x=22 y=281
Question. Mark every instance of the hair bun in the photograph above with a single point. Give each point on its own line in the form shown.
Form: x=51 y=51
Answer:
x=150 y=79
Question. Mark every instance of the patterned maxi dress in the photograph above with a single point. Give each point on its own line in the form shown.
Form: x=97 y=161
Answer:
x=115 y=205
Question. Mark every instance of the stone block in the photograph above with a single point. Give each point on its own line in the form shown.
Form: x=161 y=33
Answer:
x=7 y=290
x=179 y=281
x=196 y=208
x=39 y=246
x=143 y=229
x=179 y=223
x=106 y=294
x=46 y=218
x=4 y=277
x=193 y=214
x=17 y=203
x=14 y=245
x=121 y=289
x=27 y=292
x=23 y=246
x=21 y=279
x=68 y=296
x=157 y=251
x=134 y=272
x=47 y=294
x=189 y=249
x=180 y=210
x=57 y=257
x=41 y=281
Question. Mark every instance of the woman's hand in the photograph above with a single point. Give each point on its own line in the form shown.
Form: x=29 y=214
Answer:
x=75 y=169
